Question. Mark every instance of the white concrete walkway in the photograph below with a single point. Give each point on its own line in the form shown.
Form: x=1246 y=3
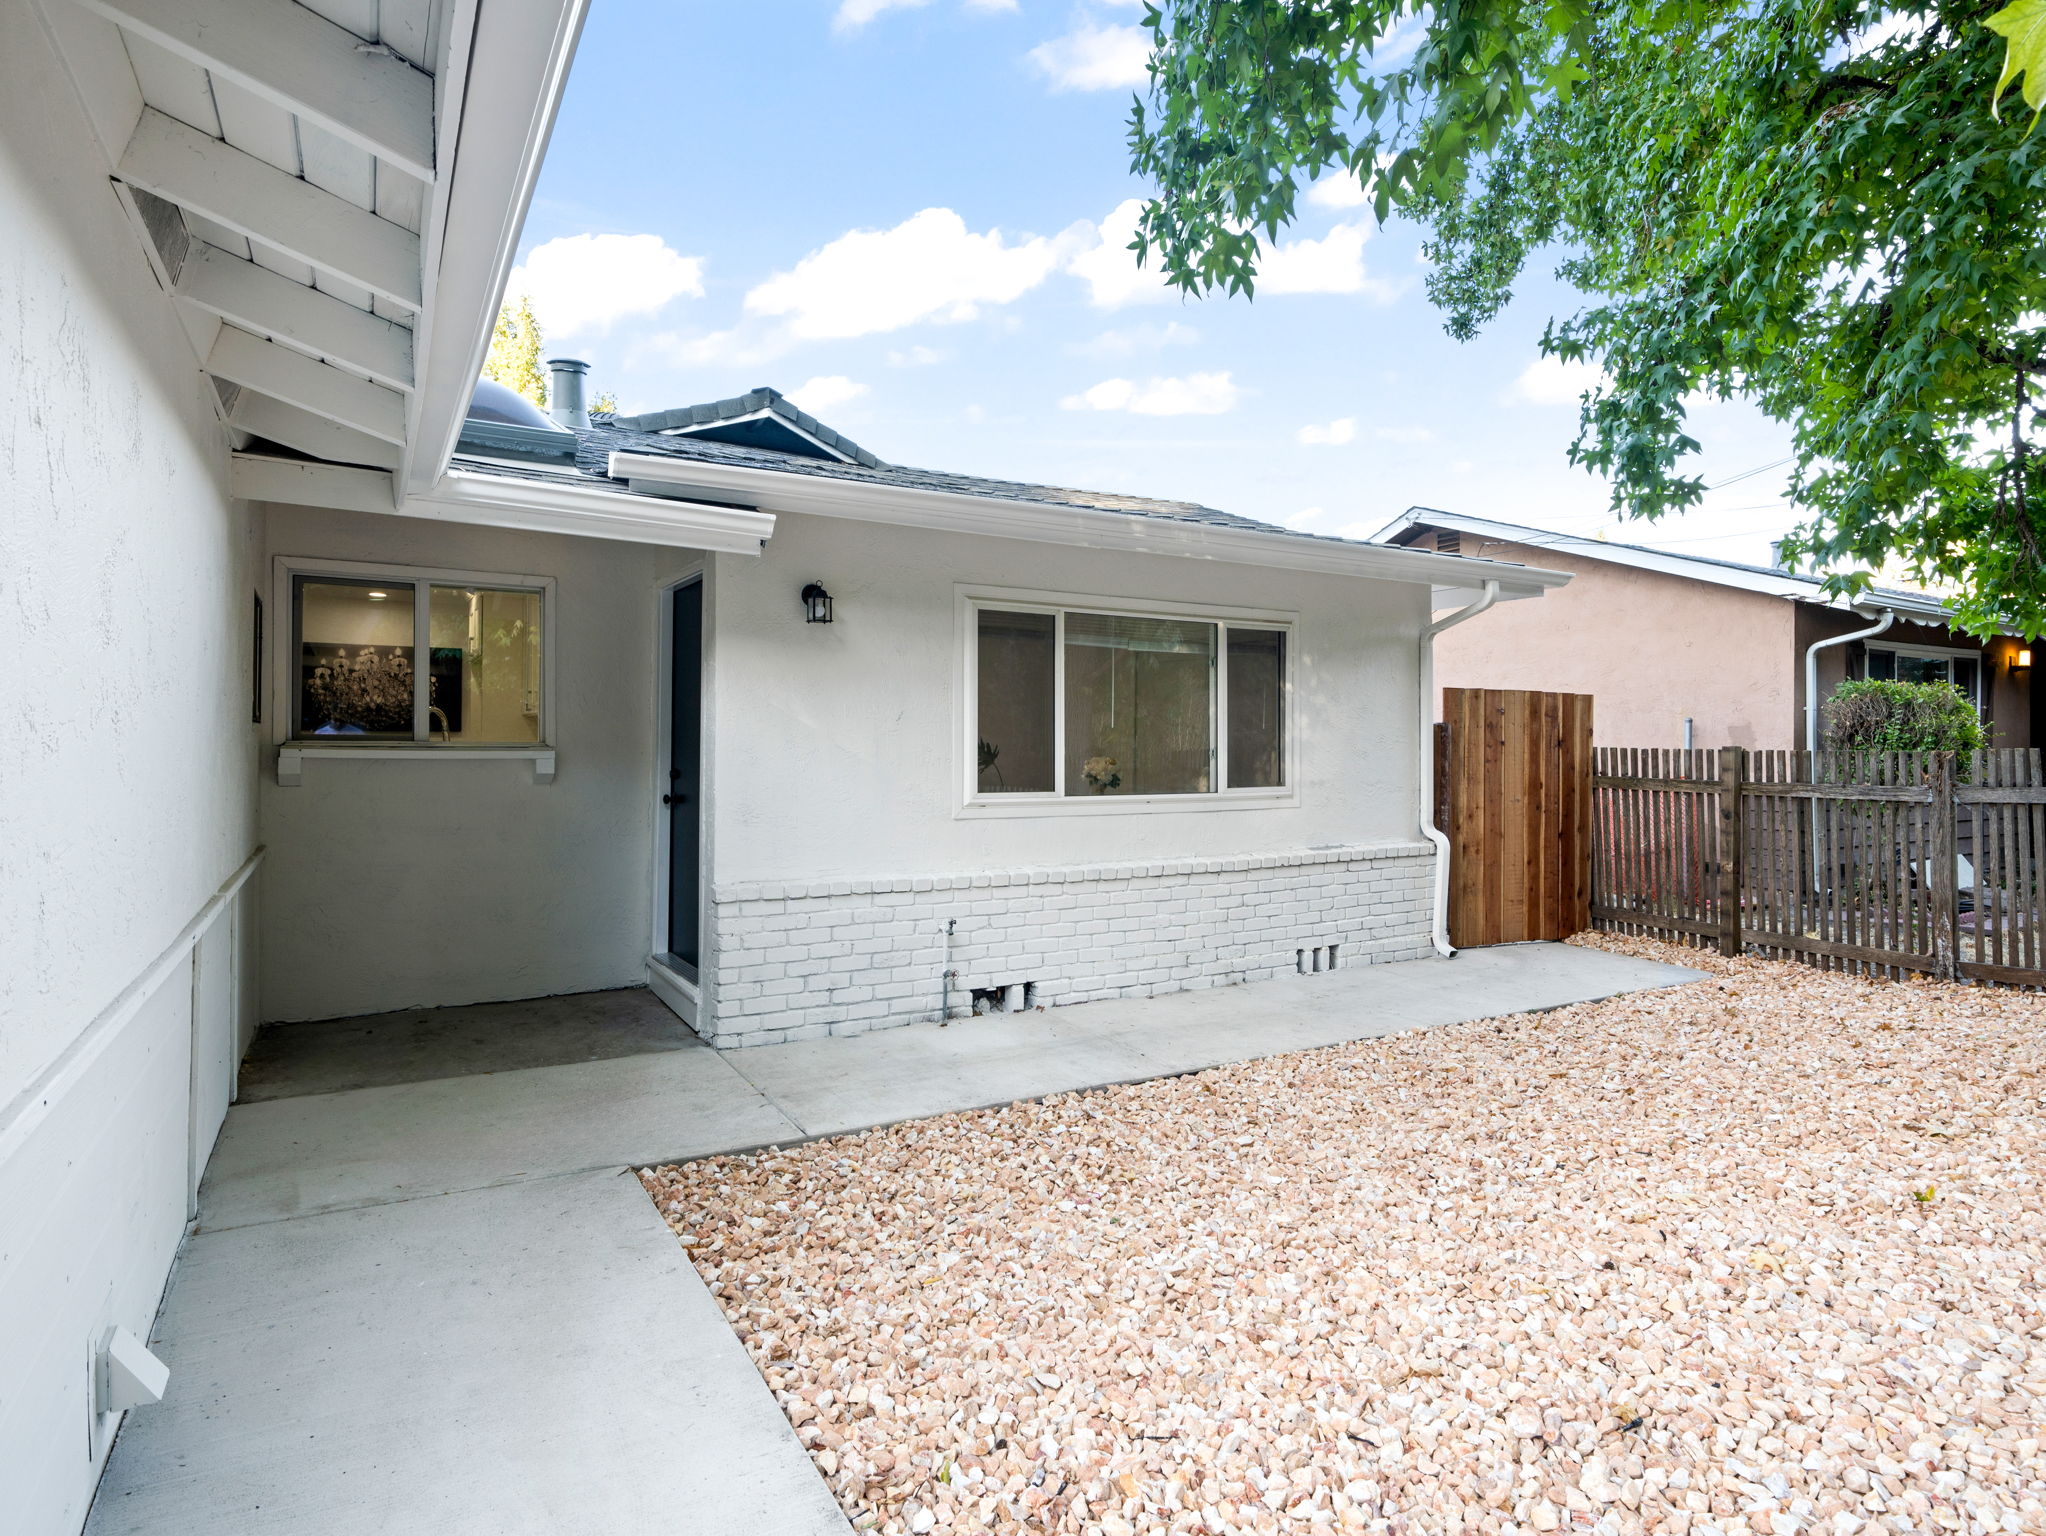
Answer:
x=443 y=1307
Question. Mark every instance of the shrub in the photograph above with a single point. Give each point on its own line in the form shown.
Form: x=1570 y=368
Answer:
x=1875 y=715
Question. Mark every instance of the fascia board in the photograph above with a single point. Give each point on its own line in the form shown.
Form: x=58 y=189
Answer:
x=500 y=91
x=534 y=506
x=1086 y=527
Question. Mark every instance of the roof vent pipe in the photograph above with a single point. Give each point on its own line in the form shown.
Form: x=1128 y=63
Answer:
x=565 y=402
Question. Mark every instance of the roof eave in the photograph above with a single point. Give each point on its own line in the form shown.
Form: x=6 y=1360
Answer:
x=1797 y=589
x=1453 y=579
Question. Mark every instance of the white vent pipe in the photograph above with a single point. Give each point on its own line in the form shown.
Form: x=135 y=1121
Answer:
x=1811 y=674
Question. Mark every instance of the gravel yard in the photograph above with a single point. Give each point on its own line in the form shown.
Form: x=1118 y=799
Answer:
x=1765 y=1254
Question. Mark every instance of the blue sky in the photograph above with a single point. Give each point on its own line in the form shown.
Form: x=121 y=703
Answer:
x=909 y=214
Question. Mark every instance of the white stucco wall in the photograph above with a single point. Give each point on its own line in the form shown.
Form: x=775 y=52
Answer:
x=426 y=883
x=126 y=776
x=846 y=883
x=830 y=755
x=834 y=753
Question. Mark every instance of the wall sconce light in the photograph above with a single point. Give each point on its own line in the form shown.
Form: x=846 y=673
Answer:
x=2021 y=660
x=816 y=604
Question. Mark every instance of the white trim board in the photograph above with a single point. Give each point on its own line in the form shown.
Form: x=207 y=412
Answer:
x=498 y=502
x=28 y=1107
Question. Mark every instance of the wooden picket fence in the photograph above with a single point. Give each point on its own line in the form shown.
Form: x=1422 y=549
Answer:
x=1880 y=862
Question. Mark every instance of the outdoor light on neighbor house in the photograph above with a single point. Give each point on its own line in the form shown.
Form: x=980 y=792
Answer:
x=2021 y=660
x=816 y=604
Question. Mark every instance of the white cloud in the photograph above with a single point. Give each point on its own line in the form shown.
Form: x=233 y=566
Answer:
x=1095 y=58
x=582 y=285
x=1332 y=264
x=820 y=394
x=1358 y=530
x=1136 y=338
x=1398 y=44
x=916 y=357
x=1341 y=190
x=1403 y=434
x=1109 y=268
x=744 y=345
x=857 y=13
x=1301 y=518
x=1552 y=381
x=929 y=267
x=1331 y=435
x=1198 y=394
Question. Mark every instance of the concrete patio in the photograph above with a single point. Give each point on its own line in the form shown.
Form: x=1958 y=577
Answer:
x=419 y=1292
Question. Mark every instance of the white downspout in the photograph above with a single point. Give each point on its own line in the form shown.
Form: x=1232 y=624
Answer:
x=1811 y=674
x=1440 y=928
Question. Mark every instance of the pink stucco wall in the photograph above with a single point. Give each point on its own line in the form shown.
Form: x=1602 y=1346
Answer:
x=1650 y=649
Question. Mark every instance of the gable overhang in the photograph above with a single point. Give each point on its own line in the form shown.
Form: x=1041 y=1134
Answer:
x=1453 y=581
x=765 y=416
x=333 y=212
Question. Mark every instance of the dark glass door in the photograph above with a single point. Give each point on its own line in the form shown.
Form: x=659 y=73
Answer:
x=682 y=802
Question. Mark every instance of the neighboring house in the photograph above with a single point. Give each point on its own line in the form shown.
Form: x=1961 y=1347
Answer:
x=315 y=712
x=1684 y=650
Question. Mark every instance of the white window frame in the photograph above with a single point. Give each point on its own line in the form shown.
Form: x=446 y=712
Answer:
x=292 y=752
x=972 y=802
x=1941 y=653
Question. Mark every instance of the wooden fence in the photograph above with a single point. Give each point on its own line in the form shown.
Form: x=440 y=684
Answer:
x=1883 y=862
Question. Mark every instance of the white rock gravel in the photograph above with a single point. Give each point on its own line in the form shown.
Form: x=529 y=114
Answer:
x=1759 y=1256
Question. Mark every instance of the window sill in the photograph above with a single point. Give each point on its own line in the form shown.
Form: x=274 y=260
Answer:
x=1008 y=806
x=291 y=756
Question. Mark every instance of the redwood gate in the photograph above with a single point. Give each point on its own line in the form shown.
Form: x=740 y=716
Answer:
x=1513 y=795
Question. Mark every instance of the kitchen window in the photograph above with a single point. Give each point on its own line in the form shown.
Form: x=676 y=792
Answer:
x=426 y=659
x=1081 y=704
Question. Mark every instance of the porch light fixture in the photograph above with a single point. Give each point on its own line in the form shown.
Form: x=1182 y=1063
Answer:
x=816 y=604
x=2021 y=660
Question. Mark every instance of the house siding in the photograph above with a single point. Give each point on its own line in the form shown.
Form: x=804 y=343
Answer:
x=416 y=884
x=1651 y=649
x=126 y=783
x=2007 y=697
x=842 y=957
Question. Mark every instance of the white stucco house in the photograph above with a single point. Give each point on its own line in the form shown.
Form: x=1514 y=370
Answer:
x=330 y=695
x=814 y=743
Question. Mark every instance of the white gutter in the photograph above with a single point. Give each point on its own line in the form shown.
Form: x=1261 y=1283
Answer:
x=500 y=501
x=1811 y=674
x=1060 y=523
x=1439 y=931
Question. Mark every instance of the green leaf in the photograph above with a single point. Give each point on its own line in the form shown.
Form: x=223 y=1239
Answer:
x=2023 y=28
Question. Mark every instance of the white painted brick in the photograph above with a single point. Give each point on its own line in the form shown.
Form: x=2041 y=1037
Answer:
x=876 y=949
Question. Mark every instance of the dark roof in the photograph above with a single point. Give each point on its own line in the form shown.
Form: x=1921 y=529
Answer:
x=760 y=418
x=595 y=447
